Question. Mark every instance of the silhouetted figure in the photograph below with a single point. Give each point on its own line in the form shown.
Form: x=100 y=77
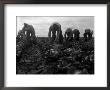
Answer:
x=29 y=31
x=25 y=38
x=68 y=35
x=55 y=33
x=76 y=34
x=88 y=34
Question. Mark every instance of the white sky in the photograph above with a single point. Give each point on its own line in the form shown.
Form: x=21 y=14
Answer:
x=42 y=24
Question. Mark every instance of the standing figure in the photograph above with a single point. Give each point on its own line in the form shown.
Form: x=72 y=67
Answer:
x=55 y=33
x=25 y=38
x=76 y=34
x=29 y=31
x=88 y=34
x=68 y=35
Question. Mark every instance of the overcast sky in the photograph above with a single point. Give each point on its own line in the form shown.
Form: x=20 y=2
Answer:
x=42 y=24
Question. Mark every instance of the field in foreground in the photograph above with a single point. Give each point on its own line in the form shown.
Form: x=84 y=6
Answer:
x=76 y=57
